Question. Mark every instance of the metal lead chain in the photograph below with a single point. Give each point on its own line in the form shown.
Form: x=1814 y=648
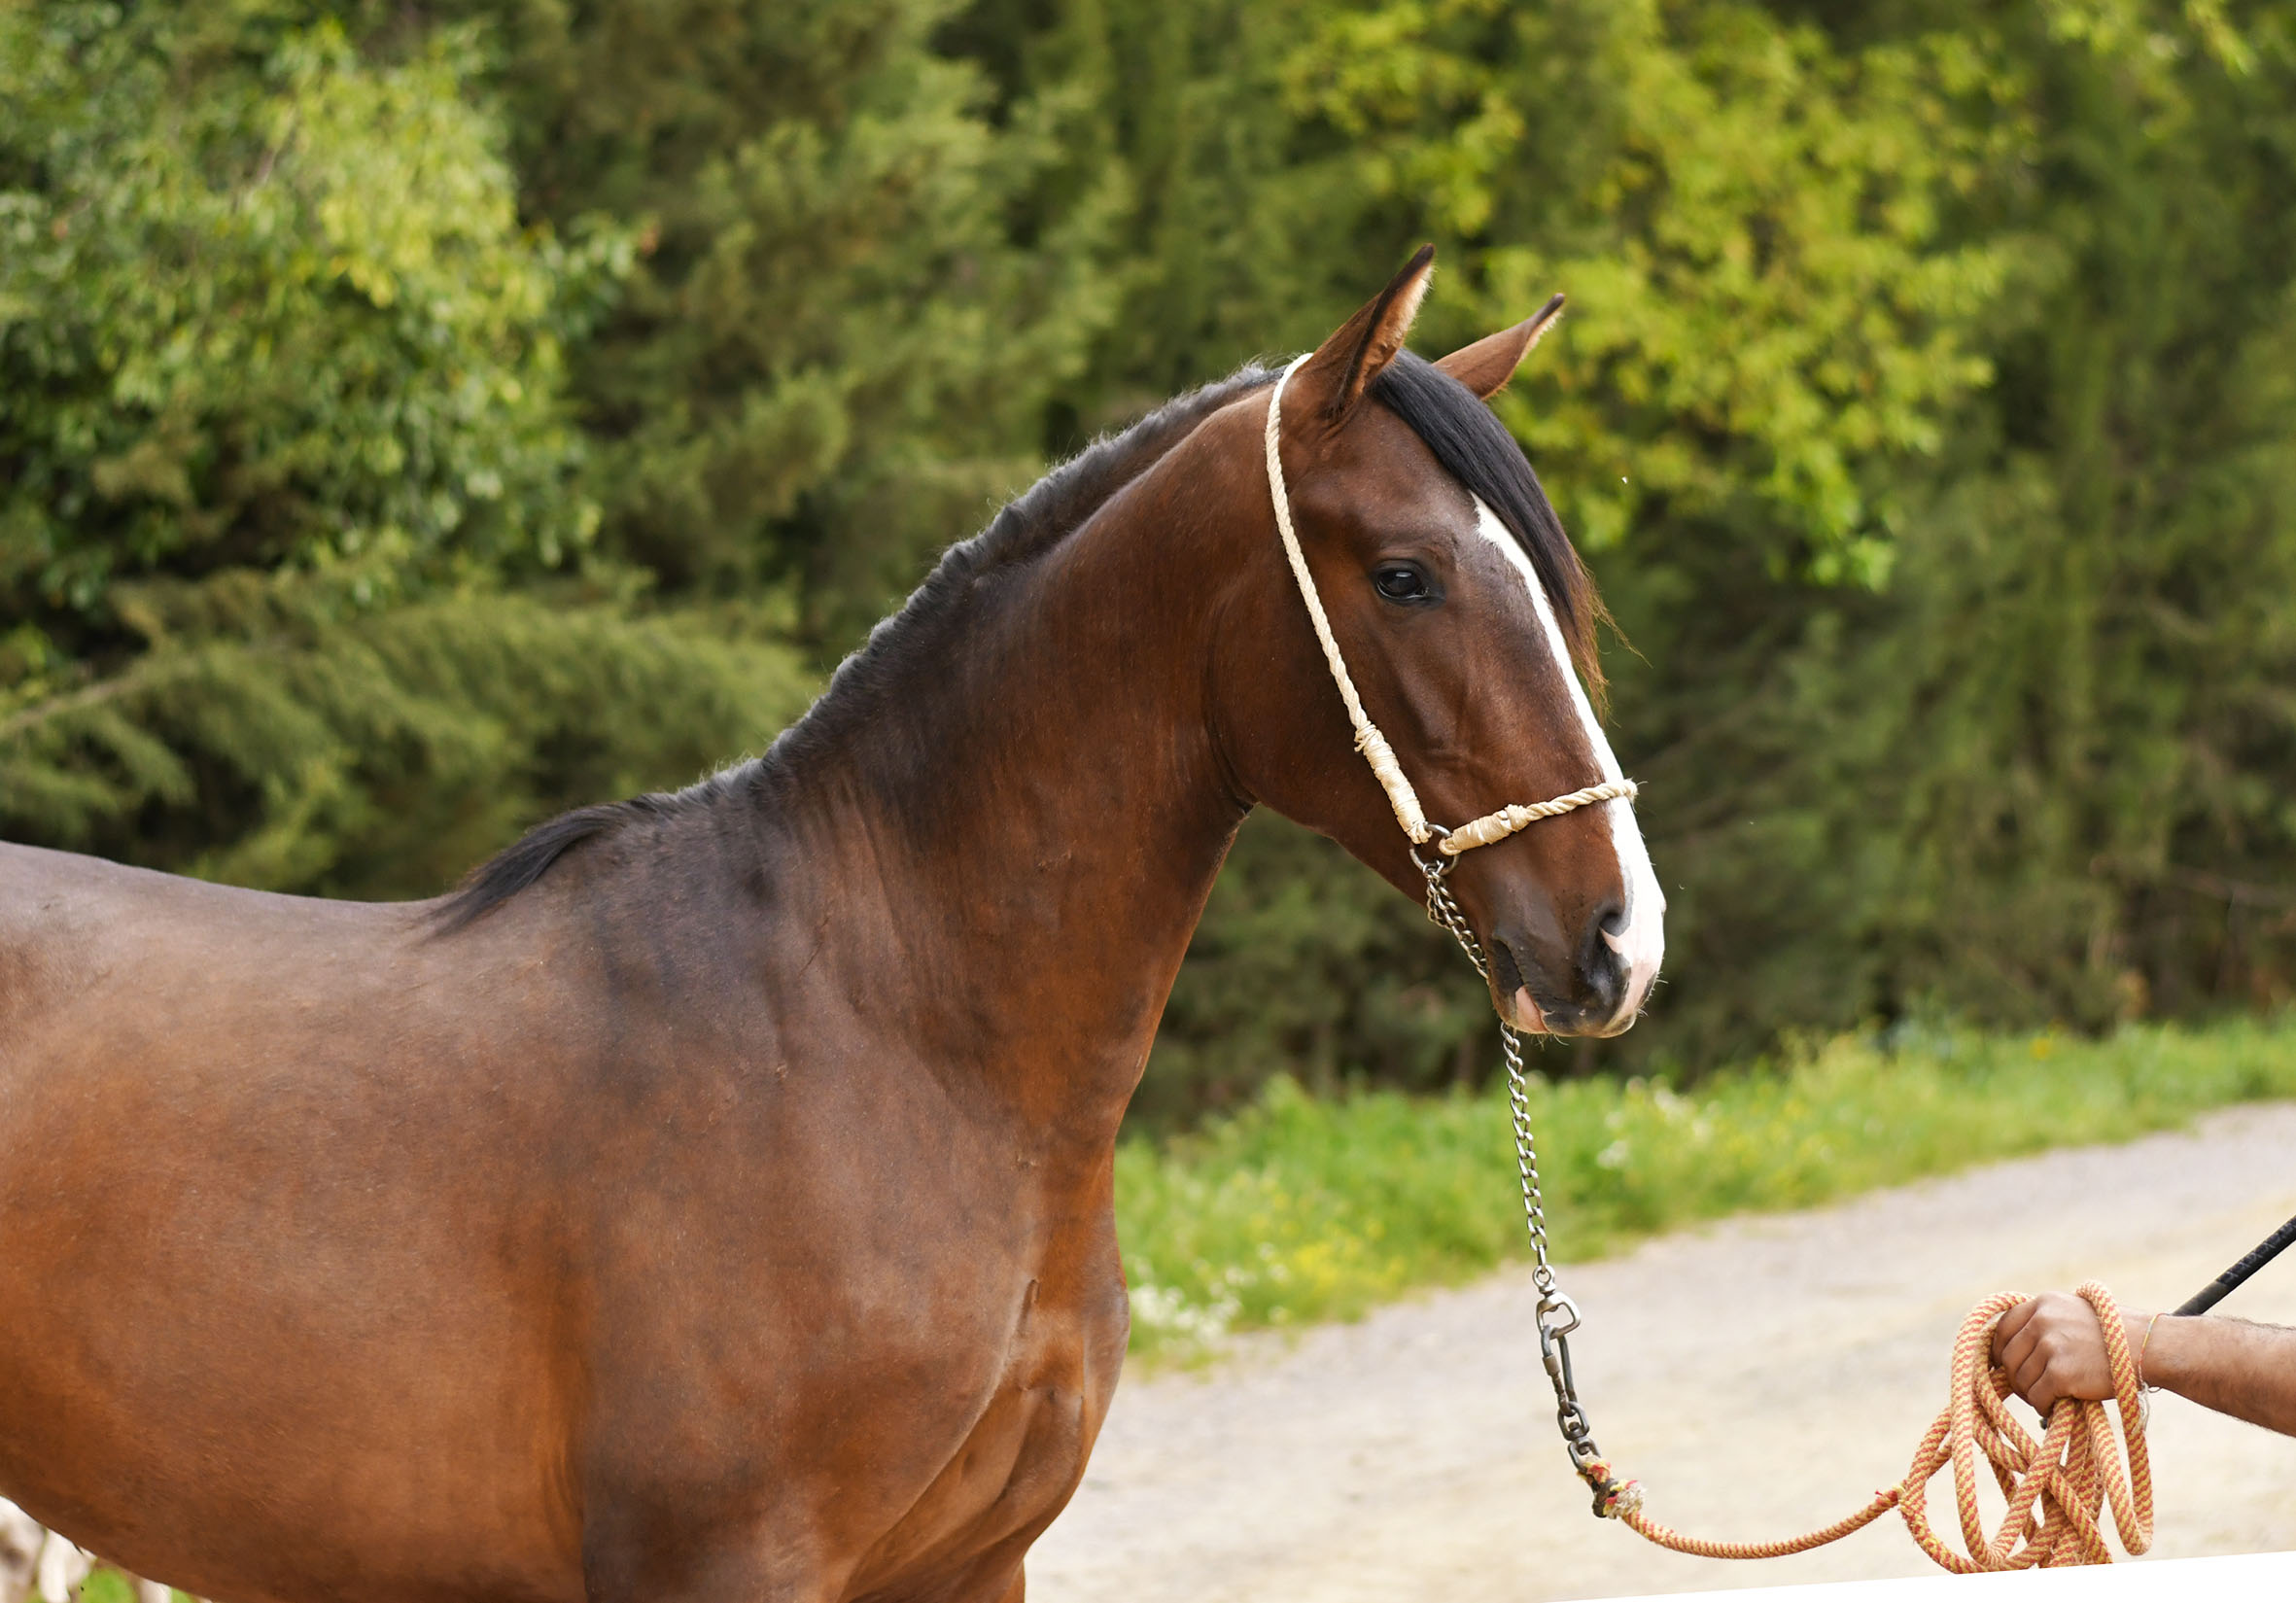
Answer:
x=1557 y=1314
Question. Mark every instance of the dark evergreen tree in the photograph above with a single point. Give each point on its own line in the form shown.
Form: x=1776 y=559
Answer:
x=854 y=295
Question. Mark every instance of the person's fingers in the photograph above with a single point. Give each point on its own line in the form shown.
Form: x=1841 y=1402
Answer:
x=2052 y=1353
x=2018 y=1350
x=2051 y=1347
x=2034 y=1382
x=2006 y=1328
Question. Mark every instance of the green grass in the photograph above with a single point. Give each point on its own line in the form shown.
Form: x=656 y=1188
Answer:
x=109 y=1585
x=1299 y=1211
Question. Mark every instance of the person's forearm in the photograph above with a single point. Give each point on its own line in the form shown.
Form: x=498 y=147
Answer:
x=2228 y=1365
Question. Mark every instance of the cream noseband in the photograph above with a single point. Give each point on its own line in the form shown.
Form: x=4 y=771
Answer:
x=1483 y=831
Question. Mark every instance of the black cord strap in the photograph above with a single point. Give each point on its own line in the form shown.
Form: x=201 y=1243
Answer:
x=2217 y=1290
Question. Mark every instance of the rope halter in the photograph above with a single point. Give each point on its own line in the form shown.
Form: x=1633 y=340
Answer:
x=1483 y=831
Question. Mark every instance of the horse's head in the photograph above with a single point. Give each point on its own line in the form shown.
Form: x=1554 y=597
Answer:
x=1465 y=624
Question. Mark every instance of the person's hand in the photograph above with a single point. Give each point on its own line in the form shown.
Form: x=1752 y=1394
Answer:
x=2053 y=1347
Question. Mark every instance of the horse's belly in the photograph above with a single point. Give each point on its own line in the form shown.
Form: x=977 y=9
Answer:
x=265 y=1474
x=256 y=1358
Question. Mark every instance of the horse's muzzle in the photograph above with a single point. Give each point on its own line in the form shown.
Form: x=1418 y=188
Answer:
x=1592 y=1001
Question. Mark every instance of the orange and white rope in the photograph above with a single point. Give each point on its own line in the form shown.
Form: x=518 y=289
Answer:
x=2057 y=1487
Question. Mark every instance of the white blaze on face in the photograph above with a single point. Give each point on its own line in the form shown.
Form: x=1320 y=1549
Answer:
x=1642 y=944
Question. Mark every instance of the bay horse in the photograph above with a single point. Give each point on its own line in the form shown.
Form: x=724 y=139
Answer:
x=711 y=1197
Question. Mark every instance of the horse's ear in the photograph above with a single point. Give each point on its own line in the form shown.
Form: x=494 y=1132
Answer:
x=1330 y=383
x=1486 y=365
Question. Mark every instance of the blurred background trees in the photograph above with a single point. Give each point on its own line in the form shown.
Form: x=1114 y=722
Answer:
x=419 y=417
x=300 y=578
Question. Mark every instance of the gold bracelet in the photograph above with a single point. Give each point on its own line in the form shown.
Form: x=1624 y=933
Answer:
x=2144 y=1347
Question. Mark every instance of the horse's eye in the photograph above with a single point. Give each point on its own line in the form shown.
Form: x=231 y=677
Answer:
x=1400 y=581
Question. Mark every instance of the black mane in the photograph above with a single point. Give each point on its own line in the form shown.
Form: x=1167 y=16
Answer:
x=1033 y=522
x=1050 y=511
x=1467 y=439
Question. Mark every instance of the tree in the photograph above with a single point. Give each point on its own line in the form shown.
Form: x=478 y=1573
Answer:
x=855 y=292
x=289 y=471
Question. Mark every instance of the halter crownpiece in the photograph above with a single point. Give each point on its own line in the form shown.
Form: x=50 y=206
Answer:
x=1483 y=831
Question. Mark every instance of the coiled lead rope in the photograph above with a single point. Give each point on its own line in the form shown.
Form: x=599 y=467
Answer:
x=2057 y=1487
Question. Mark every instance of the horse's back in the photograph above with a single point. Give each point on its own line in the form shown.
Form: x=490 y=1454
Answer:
x=73 y=928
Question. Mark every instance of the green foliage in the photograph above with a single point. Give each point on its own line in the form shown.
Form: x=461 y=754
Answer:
x=288 y=319
x=110 y=1585
x=836 y=349
x=281 y=412
x=1768 y=306
x=274 y=734
x=1302 y=1209
x=2043 y=776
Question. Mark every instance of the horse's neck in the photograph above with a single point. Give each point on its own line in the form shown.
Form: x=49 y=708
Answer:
x=1026 y=823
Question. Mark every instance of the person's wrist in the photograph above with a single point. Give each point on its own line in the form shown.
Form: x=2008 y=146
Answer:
x=2164 y=1351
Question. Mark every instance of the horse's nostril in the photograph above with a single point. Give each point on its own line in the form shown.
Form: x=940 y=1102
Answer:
x=1506 y=969
x=1601 y=969
x=1612 y=919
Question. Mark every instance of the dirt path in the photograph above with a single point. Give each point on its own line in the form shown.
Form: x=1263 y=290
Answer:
x=1761 y=1378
